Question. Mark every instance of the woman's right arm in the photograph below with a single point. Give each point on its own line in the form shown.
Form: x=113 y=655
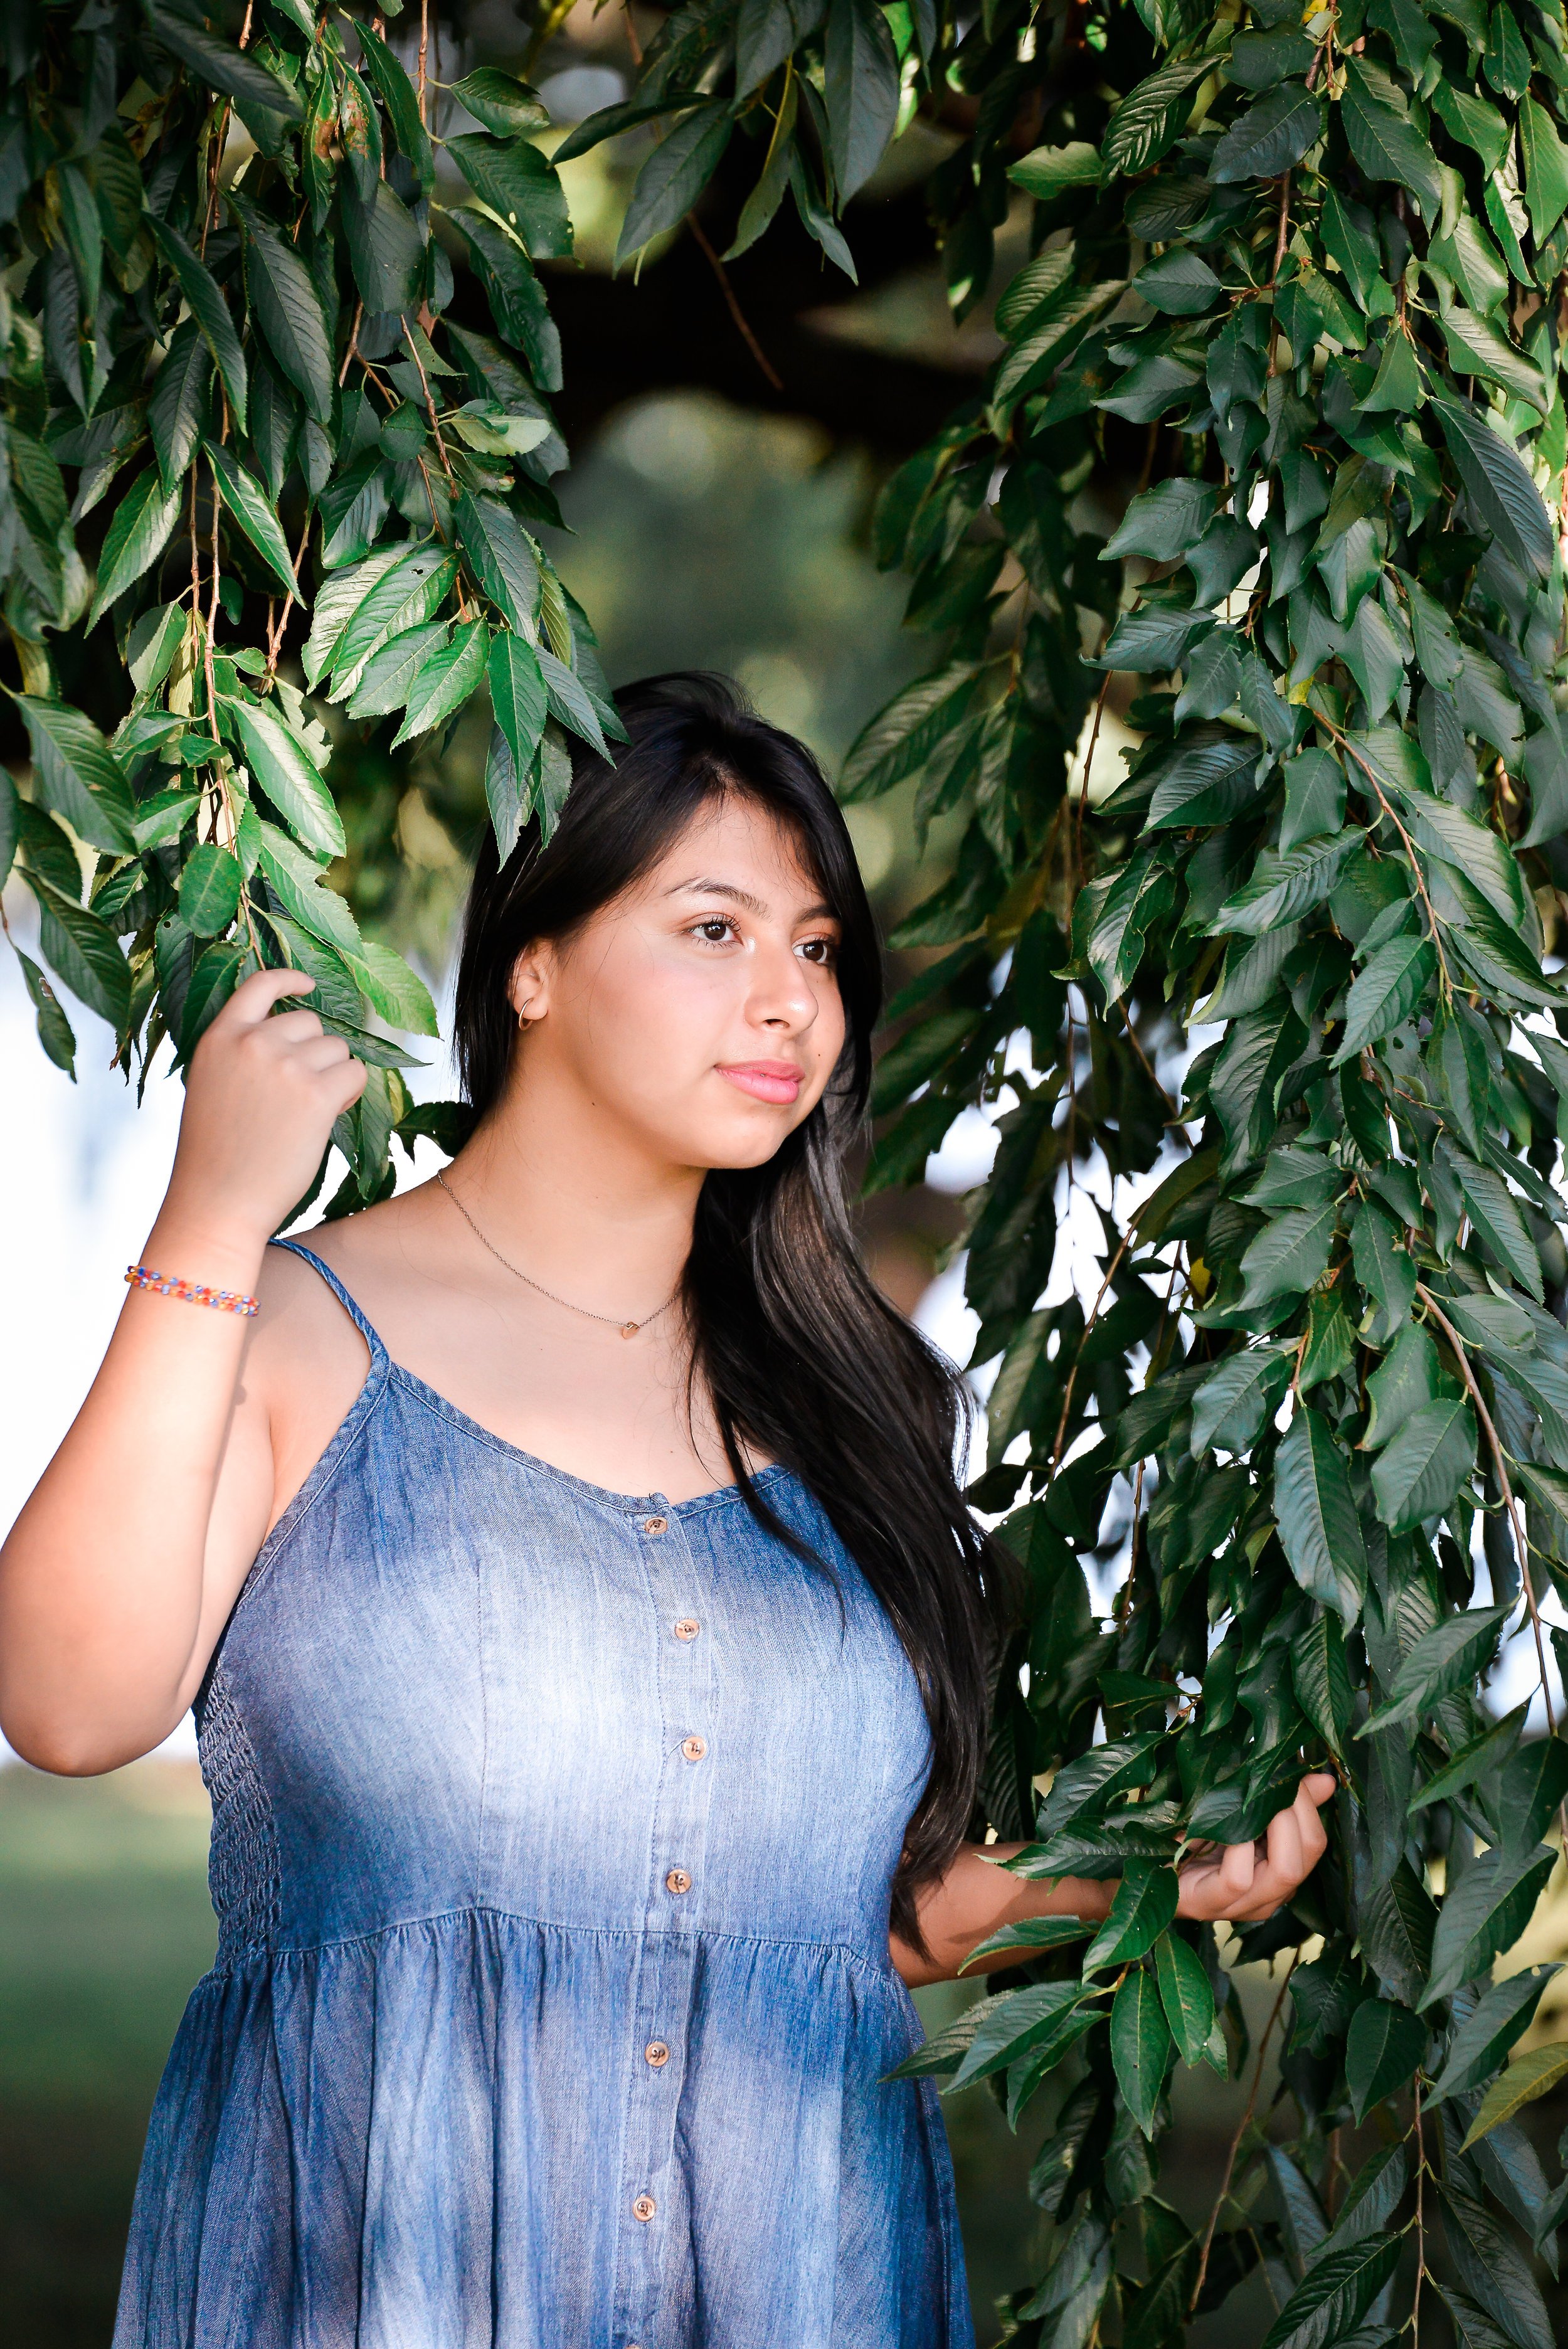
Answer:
x=121 y=1569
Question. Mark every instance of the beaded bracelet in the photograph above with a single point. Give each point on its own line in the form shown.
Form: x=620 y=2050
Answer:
x=193 y=1292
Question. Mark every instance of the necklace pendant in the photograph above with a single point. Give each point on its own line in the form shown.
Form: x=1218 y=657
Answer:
x=629 y=1329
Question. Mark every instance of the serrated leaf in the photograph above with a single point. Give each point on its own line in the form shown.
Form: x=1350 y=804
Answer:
x=221 y=65
x=1150 y=115
x=1527 y=2077
x=860 y=85
x=1385 y=2045
x=397 y=993
x=1486 y=1912
x=504 y=560
x=55 y=1032
x=296 y=882
x=211 y=314
x=388 y=678
x=251 y=507
x=385 y=247
x=901 y=736
x=1144 y=1905
x=288 y=309
x=177 y=405
x=1282 y=887
x=1045 y=172
x=1448 y=1656
x=521 y=187
x=1421 y=1470
x=1141 y=2045
x=1499 y=488
x=1320 y=1679
x=1271 y=136
x=502 y=102
x=142 y=527
x=400 y=99
x=1163 y=523
x=1234 y=1400
x=286 y=772
x=1496 y=1216
x=83 y=951
x=78 y=773
x=1334 y=2294
x=448 y=680
x=1029 y=1936
x=518 y=696
x=1385 y=993
x=1387 y=145
x=407 y=592
x=1501 y=2016
x=1290 y=1255
x=210 y=890
x=1010 y=2025
x=675 y=175
x=1186 y=1996
x=1494 y=2270
x=1319 y=1529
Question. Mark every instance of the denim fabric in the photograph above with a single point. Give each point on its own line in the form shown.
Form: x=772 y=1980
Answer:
x=471 y=1866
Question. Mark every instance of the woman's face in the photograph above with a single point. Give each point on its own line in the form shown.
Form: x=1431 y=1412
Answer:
x=700 y=1009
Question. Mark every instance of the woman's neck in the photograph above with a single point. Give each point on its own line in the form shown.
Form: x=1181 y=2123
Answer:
x=555 y=1185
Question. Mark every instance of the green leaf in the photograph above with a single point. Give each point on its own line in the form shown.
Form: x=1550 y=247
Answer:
x=903 y=736
x=518 y=695
x=1231 y=1407
x=385 y=247
x=1142 y=895
x=83 y=951
x=521 y=187
x=1180 y=282
x=286 y=772
x=516 y=297
x=1319 y=1529
x=944 y=2050
x=1385 y=145
x=1490 y=2264
x=1496 y=1215
x=1501 y=2016
x=502 y=102
x=1385 y=2045
x=1476 y=348
x=394 y=990
x=1485 y=1912
x=1282 y=887
x=447 y=680
x=210 y=890
x=1186 y=1996
x=142 y=527
x=288 y=309
x=1385 y=992
x=1545 y=168
x=1094 y=1777
x=223 y=67
x=1014 y=2024
x=1334 y=2294
x=210 y=313
x=1029 y=1936
x=338 y=600
x=388 y=678
x=1151 y=116
x=1271 y=136
x=177 y=405
x=1500 y=491
x=254 y=511
x=1423 y=1468
x=1473 y=1761
x=1385 y=1272
x=1144 y=1905
x=1449 y=1656
x=410 y=590
x=1141 y=2045
x=78 y=773
x=860 y=85
x=1290 y=1255
x=1207 y=784
x=1045 y=172
x=55 y=1033
x=1320 y=1679
x=397 y=95
x=1165 y=522
x=502 y=558
x=675 y=175
x=296 y=882
x=1469 y=119
x=1533 y=2075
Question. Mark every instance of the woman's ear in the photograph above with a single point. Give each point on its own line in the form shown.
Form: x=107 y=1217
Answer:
x=529 y=992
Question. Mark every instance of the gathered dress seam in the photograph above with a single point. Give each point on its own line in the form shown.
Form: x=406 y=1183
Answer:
x=888 y=1975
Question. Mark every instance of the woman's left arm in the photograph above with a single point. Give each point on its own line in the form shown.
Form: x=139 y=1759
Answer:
x=1241 y=1882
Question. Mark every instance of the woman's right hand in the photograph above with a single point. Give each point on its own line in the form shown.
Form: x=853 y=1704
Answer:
x=260 y=1099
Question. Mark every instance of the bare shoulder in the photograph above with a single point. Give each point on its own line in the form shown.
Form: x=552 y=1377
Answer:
x=303 y=1338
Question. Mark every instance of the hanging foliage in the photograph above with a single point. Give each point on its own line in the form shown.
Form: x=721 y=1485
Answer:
x=1277 y=440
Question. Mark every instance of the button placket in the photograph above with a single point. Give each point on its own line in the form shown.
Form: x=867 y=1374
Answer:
x=652 y=2193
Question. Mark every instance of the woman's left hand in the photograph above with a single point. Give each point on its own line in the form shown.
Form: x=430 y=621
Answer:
x=1245 y=1882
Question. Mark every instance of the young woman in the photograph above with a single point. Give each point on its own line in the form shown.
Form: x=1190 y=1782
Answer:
x=588 y=1639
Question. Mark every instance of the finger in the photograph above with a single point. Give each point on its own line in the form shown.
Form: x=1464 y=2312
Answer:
x=1314 y=1833
x=1237 y=1870
x=254 y=997
x=301 y=1027
x=1285 y=1864
x=324 y=1053
x=1317 y=1786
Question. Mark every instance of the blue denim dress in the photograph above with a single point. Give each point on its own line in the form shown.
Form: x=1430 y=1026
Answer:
x=552 y=1836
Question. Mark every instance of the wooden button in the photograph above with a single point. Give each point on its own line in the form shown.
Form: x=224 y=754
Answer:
x=694 y=1748
x=655 y=1525
x=657 y=2054
x=643 y=2207
x=687 y=1627
x=677 y=1880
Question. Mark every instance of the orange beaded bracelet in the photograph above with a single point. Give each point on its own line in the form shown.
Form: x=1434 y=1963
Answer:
x=193 y=1292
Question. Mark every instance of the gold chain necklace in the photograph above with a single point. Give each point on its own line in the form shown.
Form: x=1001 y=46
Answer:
x=626 y=1328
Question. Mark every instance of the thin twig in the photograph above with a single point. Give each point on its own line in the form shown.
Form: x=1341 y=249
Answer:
x=430 y=408
x=1345 y=743
x=424 y=58
x=736 y=312
x=1420 y=2222
x=634 y=43
x=1283 y=229
x=353 y=349
x=1132 y=1038
x=1242 y=2127
x=1088 y=1325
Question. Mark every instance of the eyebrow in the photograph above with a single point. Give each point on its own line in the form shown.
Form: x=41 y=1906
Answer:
x=757 y=906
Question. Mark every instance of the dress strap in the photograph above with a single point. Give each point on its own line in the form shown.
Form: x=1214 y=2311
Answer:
x=371 y=1337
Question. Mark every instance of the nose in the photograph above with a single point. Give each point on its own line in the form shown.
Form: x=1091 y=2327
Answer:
x=782 y=997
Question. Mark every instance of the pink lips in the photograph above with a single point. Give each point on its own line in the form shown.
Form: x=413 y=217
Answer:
x=768 y=1080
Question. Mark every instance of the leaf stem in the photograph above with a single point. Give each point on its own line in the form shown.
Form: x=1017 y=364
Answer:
x=1242 y=2126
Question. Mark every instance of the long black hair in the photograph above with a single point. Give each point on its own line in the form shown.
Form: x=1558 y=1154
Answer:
x=803 y=1358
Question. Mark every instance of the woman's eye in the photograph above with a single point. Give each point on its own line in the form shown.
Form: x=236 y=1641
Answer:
x=822 y=951
x=716 y=929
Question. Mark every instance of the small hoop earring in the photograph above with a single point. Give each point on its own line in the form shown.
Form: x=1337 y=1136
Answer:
x=523 y=1022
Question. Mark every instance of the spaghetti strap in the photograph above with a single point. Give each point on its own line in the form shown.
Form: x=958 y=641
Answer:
x=371 y=1337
